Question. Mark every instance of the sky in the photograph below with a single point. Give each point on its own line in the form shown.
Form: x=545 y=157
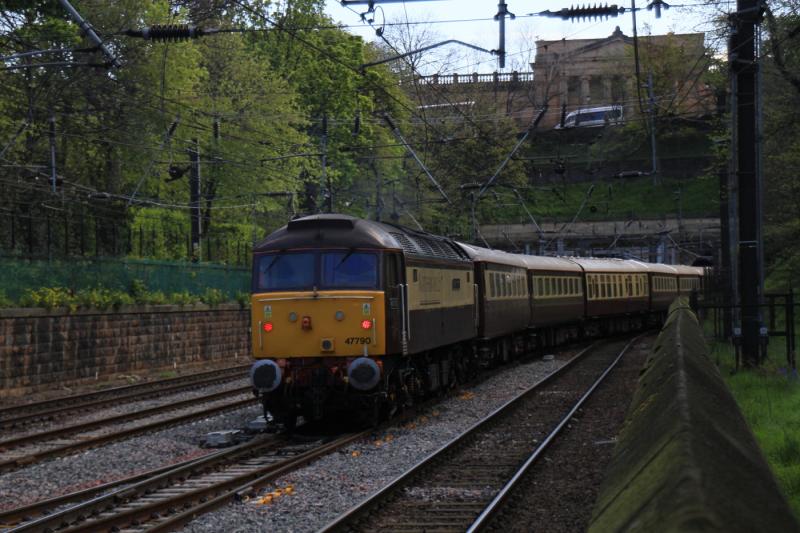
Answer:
x=472 y=21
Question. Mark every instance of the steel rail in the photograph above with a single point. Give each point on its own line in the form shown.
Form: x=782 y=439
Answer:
x=137 y=485
x=31 y=511
x=183 y=494
x=19 y=462
x=26 y=419
x=361 y=510
x=15 y=410
x=50 y=434
x=495 y=505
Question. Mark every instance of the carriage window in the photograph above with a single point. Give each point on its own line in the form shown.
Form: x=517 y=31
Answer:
x=467 y=277
x=493 y=290
x=539 y=287
x=560 y=286
x=415 y=275
x=456 y=284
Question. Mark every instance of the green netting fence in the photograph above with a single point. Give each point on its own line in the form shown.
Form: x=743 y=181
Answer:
x=17 y=275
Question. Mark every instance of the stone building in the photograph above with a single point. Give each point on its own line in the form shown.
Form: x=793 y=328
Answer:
x=579 y=73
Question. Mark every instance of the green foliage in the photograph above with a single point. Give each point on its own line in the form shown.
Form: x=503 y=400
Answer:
x=212 y=297
x=265 y=93
x=243 y=298
x=5 y=301
x=102 y=298
x=183 y=298
x=611 y=199
x=769 y=398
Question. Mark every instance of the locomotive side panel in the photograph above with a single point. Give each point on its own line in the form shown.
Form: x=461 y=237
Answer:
x=441 y=304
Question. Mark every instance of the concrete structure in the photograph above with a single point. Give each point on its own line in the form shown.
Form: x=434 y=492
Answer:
x=575 y=73
x=686 y=459
x=668 y=240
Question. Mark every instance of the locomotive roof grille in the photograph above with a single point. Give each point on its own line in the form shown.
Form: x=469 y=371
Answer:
x=427 y=246
x=404 y=242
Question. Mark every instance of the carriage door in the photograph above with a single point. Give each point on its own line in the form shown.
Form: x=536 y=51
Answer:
x=396 y=312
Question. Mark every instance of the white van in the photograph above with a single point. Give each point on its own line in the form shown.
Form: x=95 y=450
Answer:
x=591 y=117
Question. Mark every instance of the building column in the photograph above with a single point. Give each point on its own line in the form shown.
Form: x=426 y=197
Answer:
x=607 y=89
x=585 y=94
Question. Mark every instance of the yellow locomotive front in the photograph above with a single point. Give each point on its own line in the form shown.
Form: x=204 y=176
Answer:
x=319 y=319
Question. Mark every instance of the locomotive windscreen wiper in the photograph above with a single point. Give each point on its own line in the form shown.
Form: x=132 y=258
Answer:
x=345 y=258
x=272 y=263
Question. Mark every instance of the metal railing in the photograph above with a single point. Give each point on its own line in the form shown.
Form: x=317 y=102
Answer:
x=493 y=77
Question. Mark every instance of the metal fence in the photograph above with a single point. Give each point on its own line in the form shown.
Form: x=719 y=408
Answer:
x=78 y=233
x=76 y=274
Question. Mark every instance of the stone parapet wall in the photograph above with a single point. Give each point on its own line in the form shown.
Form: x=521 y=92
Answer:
x=686 y=459
x=42 y=349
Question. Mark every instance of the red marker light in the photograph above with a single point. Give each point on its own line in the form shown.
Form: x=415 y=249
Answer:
x=366 y=324
x=267 y=326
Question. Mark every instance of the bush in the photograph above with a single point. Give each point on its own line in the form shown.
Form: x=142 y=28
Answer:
x=138 y=291
x=98 y=298
x=6 y=301
x=183 y=298
x=212 y=297
x=244 y=299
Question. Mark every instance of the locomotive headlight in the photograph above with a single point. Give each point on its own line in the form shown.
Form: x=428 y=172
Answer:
x=366 y=324
x=339 y=315
x=265 y=375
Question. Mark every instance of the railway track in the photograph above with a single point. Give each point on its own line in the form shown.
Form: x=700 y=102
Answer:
x=174 y=496
x=18 y=416
x=24 y=450
x=461 y=486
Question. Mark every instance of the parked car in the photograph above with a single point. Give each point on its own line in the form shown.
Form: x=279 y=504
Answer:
x=592 y=117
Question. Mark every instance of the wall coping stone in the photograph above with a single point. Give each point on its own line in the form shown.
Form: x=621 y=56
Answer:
x=686 y=459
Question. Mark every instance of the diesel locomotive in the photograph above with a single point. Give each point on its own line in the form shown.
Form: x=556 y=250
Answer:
x=364 y=317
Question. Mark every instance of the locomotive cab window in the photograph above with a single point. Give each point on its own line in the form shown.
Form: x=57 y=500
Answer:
x=346 y=269
x=286 y=271
x=349 y=269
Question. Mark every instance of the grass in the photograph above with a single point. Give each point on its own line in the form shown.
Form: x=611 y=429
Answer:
x=612 y=199
x=769 y=398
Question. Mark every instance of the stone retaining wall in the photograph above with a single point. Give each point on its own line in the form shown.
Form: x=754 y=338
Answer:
x=686 y=459
x=41 y=349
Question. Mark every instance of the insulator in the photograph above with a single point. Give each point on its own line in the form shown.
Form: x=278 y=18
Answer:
x=657 y=4
x=168 y=32
x=585 y=12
